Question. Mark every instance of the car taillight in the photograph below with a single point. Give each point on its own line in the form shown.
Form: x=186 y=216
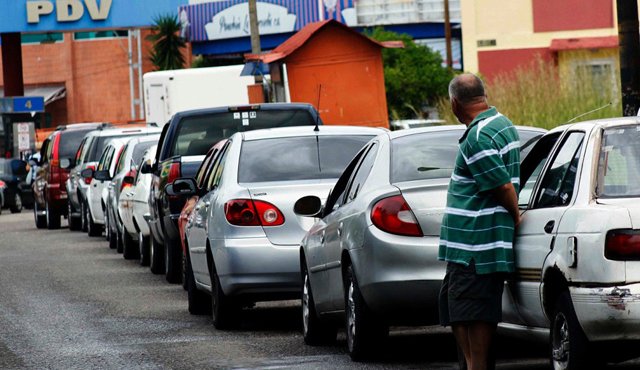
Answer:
x=623 y=245
x=87 y=180
x=174 y=172
x=247 y=212
x=127 y=181
x=394 y=216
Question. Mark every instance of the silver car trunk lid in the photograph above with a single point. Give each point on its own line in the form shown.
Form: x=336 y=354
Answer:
x=632 y=205
x=427 y=199
x=284 y=195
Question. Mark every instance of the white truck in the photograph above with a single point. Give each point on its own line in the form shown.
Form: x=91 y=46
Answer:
x=169 y=92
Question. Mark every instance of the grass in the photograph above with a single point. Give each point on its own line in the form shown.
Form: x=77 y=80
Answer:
x=541 y=95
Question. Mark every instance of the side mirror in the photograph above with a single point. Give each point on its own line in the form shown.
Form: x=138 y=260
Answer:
x=148 y=168
x=309 y=206
x=102 y=175
x=66 y=163
x=87 y=173
x=183 y=186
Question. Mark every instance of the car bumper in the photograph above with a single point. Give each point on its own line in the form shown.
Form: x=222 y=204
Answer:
x=399 y=276
x=608 y=313
x=254 y=266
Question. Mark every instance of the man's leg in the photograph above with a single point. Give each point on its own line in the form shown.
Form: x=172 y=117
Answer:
x=479 y=334
x=461 y=333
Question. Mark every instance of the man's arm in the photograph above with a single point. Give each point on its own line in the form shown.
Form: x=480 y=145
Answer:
x=507 y=197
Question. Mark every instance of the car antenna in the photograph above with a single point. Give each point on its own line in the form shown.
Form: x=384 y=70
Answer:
x=589 y=112
x=318 y=116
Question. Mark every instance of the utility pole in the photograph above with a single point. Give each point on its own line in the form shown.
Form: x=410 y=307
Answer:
x=447 y=34
x=629 y=42
x=255 y=34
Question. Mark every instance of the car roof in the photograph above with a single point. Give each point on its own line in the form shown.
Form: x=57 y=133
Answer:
x=293 y=131
x=125 y=131
x=247 y=107
x=84 y=125
x=441 y=128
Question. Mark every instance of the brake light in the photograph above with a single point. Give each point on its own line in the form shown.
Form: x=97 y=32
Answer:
x=247 y=212
x=623 y=245
x=394 y=216
x=174 y=172
x=87 y=180
x=126 y=181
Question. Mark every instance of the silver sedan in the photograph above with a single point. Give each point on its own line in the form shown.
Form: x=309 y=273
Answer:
x=372 y=257
x=243 y=236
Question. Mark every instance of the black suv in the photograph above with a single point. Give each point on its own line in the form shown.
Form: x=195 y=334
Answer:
x=183 y=143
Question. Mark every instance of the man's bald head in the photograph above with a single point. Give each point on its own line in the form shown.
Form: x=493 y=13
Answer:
x=467 y=88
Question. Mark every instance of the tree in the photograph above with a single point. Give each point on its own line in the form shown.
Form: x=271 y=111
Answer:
x=414 y=75
x=167 y=44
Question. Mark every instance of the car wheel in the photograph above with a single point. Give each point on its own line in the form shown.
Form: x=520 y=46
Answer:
x=569 y=344
x=143 y=247
x=224 y=311
x=16 y=206
x=129 y=247
x=93 y=229
x=75 y=223
x=156 y=257
x=364 y=332
x=172 y=263
x=315 y=331
x=199 y=302
x=41 y=220
x=113 y=237
x=53 y=217
x=107 y=226
x=84 y=216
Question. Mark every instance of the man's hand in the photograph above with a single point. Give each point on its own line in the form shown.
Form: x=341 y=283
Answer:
x=507 y=197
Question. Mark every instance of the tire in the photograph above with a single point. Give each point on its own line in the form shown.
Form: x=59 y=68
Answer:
x=52 y=216
x=364 y=332
x=113 y=237
x=199 y=301
x=156 y=257
x=107 y=225
x=40 y=220
x=569 y=345
x=224 y=311
x=184 y=269
x=84 y=216
x=119 y=241
x=172 y=263
x=314 y=330
x=16 y=204
x=143 y=247
x=93 y=229
x=75 y=223
x=129 y=246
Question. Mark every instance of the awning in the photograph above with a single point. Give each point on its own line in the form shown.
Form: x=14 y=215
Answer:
x=584 y=43
x=50 y=93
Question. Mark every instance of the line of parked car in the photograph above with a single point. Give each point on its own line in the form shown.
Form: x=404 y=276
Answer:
x=260 y=203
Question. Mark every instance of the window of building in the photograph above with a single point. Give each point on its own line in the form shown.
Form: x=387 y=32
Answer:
x=41 y=38
x=404 y=11
x=110 y=34
x=602 y=72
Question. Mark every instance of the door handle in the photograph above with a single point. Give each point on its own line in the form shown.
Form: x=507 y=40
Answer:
x=548 y=228
x=207 y=204
x=198 y=207
x=322 y=237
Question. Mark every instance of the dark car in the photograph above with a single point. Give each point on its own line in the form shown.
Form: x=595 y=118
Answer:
x=57 y=153
x=183 y=143
x=18 y=193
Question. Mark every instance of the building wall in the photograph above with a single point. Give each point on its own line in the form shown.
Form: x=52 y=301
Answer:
x=500 y=36
x=94 y=72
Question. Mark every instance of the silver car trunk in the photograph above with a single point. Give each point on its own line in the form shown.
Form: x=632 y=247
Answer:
x=427 y=199
x=284 y=195
x=632 y=205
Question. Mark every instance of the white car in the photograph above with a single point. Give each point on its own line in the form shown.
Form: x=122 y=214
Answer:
x=133 y=207
x=577 y=249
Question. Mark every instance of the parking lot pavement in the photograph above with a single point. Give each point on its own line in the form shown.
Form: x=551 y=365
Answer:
x=67 y=301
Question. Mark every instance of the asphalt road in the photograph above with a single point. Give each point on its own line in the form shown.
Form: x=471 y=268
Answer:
x=67 y=301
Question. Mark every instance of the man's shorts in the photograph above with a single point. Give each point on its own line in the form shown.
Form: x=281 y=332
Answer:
x=467 y=296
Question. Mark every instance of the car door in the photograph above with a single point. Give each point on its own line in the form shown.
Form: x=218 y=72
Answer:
x=197 y=225
x=317 y=253
x=346 y=221
x=97 y=185
x=548 y=200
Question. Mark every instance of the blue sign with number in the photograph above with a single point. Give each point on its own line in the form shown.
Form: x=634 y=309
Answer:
x=22 y=104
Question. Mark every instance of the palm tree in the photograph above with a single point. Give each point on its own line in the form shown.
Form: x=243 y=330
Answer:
x=167 y=44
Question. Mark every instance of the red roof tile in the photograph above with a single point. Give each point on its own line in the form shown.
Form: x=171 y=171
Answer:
x=584 y=43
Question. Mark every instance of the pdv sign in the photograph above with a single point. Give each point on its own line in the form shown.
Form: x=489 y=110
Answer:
x=68 y=10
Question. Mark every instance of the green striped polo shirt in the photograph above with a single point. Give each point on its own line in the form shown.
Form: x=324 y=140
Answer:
x=474 y=225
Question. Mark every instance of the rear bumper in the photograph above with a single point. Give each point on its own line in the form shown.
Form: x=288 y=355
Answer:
x=254 y=266
x=400 y=276
x=610 y=313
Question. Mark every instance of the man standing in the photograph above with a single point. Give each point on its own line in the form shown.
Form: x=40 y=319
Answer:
x=479 y=221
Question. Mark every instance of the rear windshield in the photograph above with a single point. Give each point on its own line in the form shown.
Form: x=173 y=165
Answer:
x=428 y=155
x=619 y=163
x=98 y=145
x=195 y=135
x=139 y=149
x=69 y=143
x=297 y=158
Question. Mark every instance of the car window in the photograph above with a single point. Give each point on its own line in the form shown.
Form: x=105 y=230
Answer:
x=44 y=149
x=297 y=158
x=217 y=167
x=49 y=149
x=619 y=163
x=361 y=173
x=138 y=151
x=528 y=138
x=205 y=167
x=532 y=166
x=556 y=186
x=103 y=159
x=427 y=155
x=122 y=158
x=334 y=200
x=69 y=142
x=79 y=151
